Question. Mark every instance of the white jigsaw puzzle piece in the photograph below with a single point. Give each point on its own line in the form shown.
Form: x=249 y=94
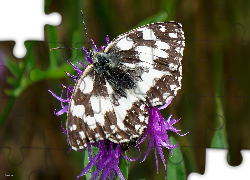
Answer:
x=24 y=20
x=217 y=167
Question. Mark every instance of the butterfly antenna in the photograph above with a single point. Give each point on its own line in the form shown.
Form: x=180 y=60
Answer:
x=63 y=48
x=85 y=29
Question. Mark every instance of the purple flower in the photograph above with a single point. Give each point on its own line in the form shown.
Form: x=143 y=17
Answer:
x=157 y=131
x=108 y=157
x=106 y=160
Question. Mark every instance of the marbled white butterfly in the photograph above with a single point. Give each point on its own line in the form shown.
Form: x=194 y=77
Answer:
x=138 y=69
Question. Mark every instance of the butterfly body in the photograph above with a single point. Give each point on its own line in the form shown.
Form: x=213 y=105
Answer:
x=105 y=65
x=138 y=69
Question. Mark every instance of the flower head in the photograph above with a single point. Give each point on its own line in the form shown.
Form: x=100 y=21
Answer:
x=106 y=160
x=157 y=132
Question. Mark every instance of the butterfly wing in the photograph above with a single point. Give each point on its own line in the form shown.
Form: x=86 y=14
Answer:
x=92 y=116
x=152 y=54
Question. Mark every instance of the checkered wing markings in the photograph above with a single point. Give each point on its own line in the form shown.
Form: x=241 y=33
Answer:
x=158 y=49
x=113 y=122
x=131 y=115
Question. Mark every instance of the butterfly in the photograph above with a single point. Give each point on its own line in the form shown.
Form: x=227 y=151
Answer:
x=136 y=70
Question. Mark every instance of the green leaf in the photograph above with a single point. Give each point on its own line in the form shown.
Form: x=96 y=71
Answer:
x=12 y=81
x=171 y=7
x=53 y=55
x=14 y=69
x=6 y=111
x=124 y=167
x=9 y=92
x=76 y=37
x=159 y=17
x=219 y=139
x=85 y=163
x=220 y=136
x=176 y=171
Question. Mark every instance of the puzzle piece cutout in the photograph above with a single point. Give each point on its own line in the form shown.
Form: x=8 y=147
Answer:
x=24 y=23
x=20 y=145
x=217 y=167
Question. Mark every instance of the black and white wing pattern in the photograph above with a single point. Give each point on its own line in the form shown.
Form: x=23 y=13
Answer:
x=141 y=68
x=157 y=49
x=92 y=116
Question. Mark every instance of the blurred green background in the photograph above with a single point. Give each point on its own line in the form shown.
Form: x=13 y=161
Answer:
x=212 y=104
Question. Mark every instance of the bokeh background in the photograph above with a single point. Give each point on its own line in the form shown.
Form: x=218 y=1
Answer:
x=213 y=103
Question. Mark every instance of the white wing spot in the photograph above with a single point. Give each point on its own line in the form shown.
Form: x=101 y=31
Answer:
x=162 y=45
x=77 y=110
x=148 y=34
x=130 y=65
x=81 y=147
x=145 y=54
x=86 y=85
x=78 y=142
x=179 y=80
x=154 y=100
x=140 y=128
x=146 y=120
x=141 y=118
x=142 y=107
x=137 y=127
x=113 y=140
x=172 y=67
x=125 y=43
x=97 y=135
x=134 y=136
x=121 y=110
x=100 y=106
x=165 y=95
x=82 y=135
x=109 y=88
x=148 y=80
x=173 y=35
x=90 y=122
x=118 y=136
x=160 y=53
x=95 y=104
x=73 y=127
x=162 y=29
x=172 y=87
x=114 y=128
x=107 y=134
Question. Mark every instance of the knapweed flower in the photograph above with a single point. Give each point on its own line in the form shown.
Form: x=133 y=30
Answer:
x=109 y=155
x=157 y=132
x=106 y=160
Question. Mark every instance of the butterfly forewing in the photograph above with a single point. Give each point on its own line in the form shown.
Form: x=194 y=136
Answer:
x=154 y=51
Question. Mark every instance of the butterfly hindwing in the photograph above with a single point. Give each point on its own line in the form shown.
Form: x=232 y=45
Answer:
x=93 y=117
